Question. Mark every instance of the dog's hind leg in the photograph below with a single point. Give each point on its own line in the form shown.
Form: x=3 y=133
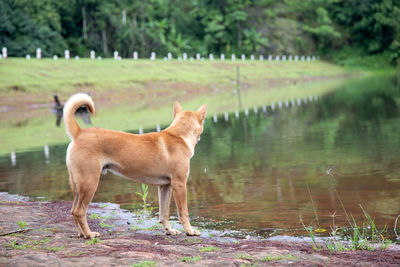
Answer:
x=164 y=197
x=87 y=186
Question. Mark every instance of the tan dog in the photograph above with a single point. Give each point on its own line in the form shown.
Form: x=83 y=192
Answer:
x=161 y=159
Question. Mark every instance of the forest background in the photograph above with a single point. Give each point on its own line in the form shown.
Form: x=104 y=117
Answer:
x=348 y=32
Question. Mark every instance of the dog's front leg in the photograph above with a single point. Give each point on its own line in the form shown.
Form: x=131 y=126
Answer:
x=164 y=198
x=179 y=189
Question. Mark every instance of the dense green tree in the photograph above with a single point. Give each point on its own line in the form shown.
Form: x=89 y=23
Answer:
x=199 y=26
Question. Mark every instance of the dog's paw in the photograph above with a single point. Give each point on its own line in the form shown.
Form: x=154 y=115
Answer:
x=172 y=231
x=92 y=235
x=193 y=233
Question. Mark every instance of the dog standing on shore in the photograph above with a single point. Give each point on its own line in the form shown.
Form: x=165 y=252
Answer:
x=161 y=159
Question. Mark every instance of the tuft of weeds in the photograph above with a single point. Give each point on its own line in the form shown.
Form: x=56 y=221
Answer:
x=104 y=225
x=361 y=237
x=56 y=249
x=145 y=264
x=192 y=240
x=154 y=227
x=189 y=259
x=15 y=245
x=74 y=254
x=94 y=216
x=244 y=256
x=277 y=257
x=93 y=241
x=209 y=249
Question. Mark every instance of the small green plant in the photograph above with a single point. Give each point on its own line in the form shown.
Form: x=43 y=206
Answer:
x=22 y=224
x=209 y=249
x=93 y=241
x=145 y=264
x=143 y=194
x=190 y=259
x=94 y=216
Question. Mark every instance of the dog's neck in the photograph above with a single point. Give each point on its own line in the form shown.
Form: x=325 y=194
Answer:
x=186 y=133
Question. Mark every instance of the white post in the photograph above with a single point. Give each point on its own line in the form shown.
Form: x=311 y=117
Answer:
x=55 y=57
x=28 y=57
x=99 y=58
x=290 y=58
x=302 y=58
x=211 y=57
x=283 y=58
x=277 y=58
x=313 y=58
x=153 y=56
x=46 y=151
x=135 y=55
x=66 y=53
x=38 y=53
x=261 y=57
x=13 y=157
x=4 y=52
x=169 y=56
x=226 y=116
x=115 y=55
x=243 y=57
x=215 y=119
x=92 y=54
x=198 y=56
x=296 y=58
x=184 y=56
x=233 y=57
x=252 y=57
x=269 y=57
x=308 y=58
x=76 y=57
x=222 y=57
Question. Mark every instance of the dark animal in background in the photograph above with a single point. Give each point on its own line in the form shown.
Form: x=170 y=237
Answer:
x=57 y=109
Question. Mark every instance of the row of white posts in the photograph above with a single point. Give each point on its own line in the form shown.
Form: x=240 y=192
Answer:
x=169 y=56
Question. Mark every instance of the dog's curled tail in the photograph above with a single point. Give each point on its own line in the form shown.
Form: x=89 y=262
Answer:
x=70 y=107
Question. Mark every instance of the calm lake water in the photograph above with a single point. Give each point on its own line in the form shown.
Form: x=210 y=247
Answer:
x=256 y=172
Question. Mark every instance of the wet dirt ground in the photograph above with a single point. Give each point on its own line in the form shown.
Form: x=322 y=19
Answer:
x=43 y=234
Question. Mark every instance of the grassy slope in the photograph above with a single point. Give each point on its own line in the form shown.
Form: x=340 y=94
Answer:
x=262 y=83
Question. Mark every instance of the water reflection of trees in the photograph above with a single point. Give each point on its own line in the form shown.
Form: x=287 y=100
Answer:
x=353 y=129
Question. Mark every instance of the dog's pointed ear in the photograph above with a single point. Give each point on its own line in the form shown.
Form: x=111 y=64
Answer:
x=177 y=108
x=202 y=112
